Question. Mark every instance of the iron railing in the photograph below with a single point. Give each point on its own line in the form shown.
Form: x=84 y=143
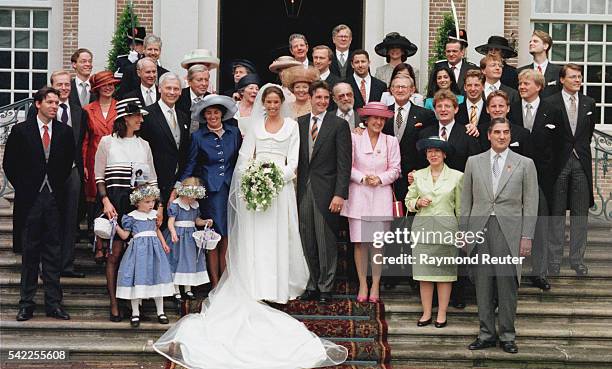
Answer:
x=602 y=164
x=9 y=116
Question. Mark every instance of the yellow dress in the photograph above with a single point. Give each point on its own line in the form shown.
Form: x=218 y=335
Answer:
x=435 y=226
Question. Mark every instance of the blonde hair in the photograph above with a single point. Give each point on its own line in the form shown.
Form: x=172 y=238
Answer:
x=191 y=181
x=533 y=75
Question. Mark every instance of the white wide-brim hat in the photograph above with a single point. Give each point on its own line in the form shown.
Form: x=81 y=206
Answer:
x=200 y=56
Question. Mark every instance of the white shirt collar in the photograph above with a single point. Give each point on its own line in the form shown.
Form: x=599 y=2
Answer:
x=193 y=95
x=358 y=79
x=320 y=118
x=457 y=66
x=405 y=108
x=496 y=84
x=342 y=114
x=139 y=215
x=325 y=74
x=338 y=53
x=165 y=107
x=182 y=205
x=144 y=90
x=534 y=104
x=41 y=124
x=78 y=81
x=469 y=105
x=542 y=66
x=503 y=154
x=305 y=63
x=566 y=96
x=449 y=128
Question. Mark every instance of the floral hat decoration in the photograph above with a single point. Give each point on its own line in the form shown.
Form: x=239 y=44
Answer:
x=143 y=192
x=194 y=192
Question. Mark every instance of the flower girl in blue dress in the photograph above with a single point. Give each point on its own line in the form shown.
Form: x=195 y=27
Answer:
x=188 y=264
x=144 y=271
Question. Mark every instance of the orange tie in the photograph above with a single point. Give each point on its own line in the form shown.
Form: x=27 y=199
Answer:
x=46 y=139
x=362 y=89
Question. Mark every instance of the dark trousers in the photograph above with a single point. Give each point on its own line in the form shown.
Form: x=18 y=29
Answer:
x=493 y=280
x=42 y=246
x=540 y=250
x=319 y=244
x=571 y=185
x=70 y=220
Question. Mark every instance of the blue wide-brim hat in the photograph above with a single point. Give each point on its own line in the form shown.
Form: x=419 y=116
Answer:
x=249 y=79
x=434 y=142
x=227 y=102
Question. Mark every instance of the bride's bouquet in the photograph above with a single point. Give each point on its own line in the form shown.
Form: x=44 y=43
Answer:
x=260 y=184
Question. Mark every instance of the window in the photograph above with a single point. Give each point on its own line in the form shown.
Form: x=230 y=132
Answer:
x=24 y=53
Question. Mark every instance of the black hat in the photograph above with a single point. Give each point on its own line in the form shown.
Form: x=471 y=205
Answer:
x=434 y=142
x=462 y=38
x=137 y=34
x=249 y=79
x=245 y=63
x=392 y=40
x=497 y=42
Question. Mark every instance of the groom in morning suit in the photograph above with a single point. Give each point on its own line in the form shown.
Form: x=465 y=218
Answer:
x=324 y=170
x=500 y=199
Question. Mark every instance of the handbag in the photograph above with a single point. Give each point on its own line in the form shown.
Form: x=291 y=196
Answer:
x=398 y=207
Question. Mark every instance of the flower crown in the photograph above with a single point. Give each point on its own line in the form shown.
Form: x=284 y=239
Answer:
x=194 y=192
x=144 y=192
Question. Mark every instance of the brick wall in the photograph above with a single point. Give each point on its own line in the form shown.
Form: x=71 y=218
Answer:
x=511 y=25
x=143 y=9
x=71 y=31
x=437 y=10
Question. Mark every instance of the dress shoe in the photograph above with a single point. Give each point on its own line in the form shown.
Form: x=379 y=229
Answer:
x=478 y=344
x=24 y=314
x=325 y=297
x=509 y=347
x=72 y=274
x=58 y=313
x=581 y=270
x=190 y=295
x=541 y=283
x=423 y=323
x=458 y=304
x=309 y=295
x=114 y=318
x=163 y=319
x=440 y=325
x=178 y=298
x=554 y=270
x=135 y=321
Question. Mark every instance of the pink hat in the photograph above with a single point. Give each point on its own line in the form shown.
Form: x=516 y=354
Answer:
x=376 y=109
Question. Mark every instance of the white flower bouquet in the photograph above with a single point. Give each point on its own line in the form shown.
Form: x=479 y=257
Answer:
x=260 y=184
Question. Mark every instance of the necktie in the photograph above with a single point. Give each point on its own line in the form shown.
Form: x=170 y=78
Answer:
x=573 y=114
x=399 y=119
x=84 y=95
x=197 y=100
x=540 y=69
x=443 y=133
x=172 y=118
x=492 y=88
x=495 y=168
x=529 y=117
x=148 y=98
x=314 y=131
x=342 y=59
x=46 y=139
x=64 y=117
x=362 y=89
x=474 y=115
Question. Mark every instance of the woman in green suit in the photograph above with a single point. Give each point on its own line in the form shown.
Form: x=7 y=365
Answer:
x=435 y=195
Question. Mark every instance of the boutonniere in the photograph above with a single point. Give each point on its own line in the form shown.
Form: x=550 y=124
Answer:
x=551 y=126
x=509 y=168
x=589 y=113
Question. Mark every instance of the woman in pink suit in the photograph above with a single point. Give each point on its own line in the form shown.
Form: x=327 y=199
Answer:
x=376 y=165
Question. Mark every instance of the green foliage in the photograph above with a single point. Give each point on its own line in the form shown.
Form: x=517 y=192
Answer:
x=120 y=42
x=448 y=24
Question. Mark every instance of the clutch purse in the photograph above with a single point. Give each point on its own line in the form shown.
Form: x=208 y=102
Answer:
x=398 y=207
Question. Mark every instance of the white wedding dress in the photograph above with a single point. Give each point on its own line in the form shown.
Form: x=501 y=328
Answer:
x=235 y=330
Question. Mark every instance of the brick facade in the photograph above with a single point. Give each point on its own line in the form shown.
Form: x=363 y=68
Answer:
x=71 y=31
x=511 y=25
x=437 y=10
x=143 y=9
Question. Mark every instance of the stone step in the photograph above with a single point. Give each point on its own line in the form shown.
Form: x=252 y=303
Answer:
x=527 y=307
x=423 y=354
x=84 y=262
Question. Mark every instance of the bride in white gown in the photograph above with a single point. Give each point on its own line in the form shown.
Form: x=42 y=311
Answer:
x=265 y=261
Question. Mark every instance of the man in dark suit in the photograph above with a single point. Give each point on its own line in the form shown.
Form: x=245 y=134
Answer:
x=38 y=158
x=455 y=53
x=365 y=87
x=491 y=67
x=146 y=91
x=298 y=47
x=345 y=100
x=473 y=110
x=541 y=120
x=539 y=46
x=130 y=79
x=342 y=36
x=198 y=78
x=321 y=59
x=499 y=46
x=136 y=37
x=167 y=131
x=324 y=170
x=80 y=88
x=573 y=188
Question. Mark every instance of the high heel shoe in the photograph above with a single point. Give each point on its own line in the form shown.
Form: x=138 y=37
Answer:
x=440 y=325
x=423 y=323
x=374 y=300
x=362 y=298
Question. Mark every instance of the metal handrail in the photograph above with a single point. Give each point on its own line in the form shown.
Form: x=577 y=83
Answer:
x=601 y=164
x=9 y=116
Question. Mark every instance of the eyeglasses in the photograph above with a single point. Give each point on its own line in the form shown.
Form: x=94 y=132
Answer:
x=400 y=87
x=342 y=96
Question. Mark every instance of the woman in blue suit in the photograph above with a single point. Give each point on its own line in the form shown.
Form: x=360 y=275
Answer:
x=212 y=158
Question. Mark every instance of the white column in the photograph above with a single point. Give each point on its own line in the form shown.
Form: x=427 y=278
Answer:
x=374 y=29
x=524 y=32
x=484 y=18
x=177 y=29
x=96 y=29
x=208 y=32
x=56 y=41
